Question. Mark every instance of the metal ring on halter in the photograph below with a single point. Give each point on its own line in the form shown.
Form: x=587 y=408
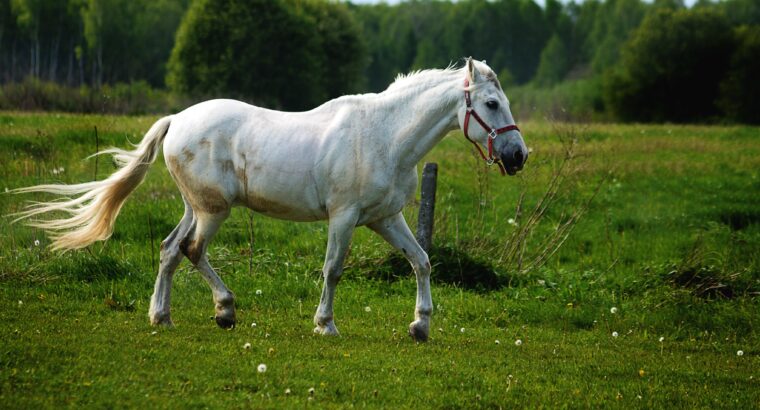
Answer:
x=492 y=135
x=490 y=161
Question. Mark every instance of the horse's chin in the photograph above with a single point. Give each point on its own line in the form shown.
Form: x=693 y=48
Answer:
x=512 y=171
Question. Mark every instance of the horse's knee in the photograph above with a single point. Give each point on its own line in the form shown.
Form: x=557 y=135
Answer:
x=421 y=264
x=332 y=274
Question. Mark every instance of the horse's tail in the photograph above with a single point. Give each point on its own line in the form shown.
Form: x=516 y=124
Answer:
x=91 y=215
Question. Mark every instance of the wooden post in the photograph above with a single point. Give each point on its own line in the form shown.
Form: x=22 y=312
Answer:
x=427 y=206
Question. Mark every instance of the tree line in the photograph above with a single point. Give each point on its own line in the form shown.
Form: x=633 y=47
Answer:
x=632 y=57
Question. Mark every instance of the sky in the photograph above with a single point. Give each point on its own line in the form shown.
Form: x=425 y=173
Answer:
x=688 y=3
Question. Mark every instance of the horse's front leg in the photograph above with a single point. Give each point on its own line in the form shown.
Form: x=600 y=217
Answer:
x=341 y=227
x=396 y=232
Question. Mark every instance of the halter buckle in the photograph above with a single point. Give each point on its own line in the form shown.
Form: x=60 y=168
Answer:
x=490 y=161
x=492 y=135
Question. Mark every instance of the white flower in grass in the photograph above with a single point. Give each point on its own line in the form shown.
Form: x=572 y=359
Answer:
x=367 y=309
x=518 y=342
x=258 y=292
x=740 y=353
x=7 y=190
x=20 y=302
x=497 y=341
x=614 y=334
x=613 y=310
x=253 y=324
x=247 y=346
x=36 y=242
x=461 y=330
x=662 y=339
x=287 y=392
x=262 y=368
x=311 y=391
x=512 y=221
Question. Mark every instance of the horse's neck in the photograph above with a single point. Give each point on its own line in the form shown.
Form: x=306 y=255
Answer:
x=423 y=117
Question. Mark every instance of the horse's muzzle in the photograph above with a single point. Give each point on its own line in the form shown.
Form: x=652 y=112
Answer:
x=513 y=157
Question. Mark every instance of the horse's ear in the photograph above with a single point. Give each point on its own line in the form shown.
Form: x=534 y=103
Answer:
x=473 y=75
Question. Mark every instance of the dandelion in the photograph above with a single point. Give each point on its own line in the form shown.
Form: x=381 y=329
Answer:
x=258 y=292
x=613 y=310
x=266 y=335
x=311 y=391
x=740 y=353
x=36 y=242
x=641 y=372
x=271 y=350
x=461 y=330
x=154 y=333
x=497 y=341
x=247 y=346
x=262 y=368
x=253 y=324
x=20 y=302
x=512 y=221
x=614 y=334
x=367 y=309
x=662 y=339
x=518 y=342
x=287 y=392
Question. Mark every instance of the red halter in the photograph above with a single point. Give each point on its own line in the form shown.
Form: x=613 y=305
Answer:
x=492 y=132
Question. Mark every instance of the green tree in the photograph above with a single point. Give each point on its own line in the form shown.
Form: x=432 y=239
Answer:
x=273 y=52
x=555 y=62
x=613 y=24
x=671 y=67
x=740 y=90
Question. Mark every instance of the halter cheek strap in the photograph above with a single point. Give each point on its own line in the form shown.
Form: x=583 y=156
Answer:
x=492 y=132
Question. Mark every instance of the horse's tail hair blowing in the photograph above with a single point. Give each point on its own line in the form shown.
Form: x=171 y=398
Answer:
x=91 y=215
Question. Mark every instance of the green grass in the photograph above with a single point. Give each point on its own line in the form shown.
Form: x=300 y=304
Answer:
x=671 y=240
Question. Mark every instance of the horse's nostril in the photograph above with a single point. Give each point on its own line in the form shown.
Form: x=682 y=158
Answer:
x=518 y=156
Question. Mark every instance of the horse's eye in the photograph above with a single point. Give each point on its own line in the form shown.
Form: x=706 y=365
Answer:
x=492 y=105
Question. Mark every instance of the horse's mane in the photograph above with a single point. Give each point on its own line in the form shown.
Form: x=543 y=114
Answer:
x=420 y=77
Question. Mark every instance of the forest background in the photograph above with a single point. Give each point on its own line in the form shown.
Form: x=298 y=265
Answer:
x=612 y=60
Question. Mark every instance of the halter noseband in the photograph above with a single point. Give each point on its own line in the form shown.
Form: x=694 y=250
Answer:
x=492 y=132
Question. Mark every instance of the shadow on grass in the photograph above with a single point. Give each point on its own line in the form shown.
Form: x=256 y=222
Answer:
x=86 y=267
x=450 y=266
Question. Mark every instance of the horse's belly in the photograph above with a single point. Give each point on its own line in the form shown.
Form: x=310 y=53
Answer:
x=293 y=199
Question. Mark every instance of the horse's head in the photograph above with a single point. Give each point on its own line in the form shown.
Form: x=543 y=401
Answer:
x=486 y=120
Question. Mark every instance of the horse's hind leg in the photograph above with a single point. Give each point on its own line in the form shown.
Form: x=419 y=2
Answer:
x=160 y=312
x=194 y=246
x=396 y=232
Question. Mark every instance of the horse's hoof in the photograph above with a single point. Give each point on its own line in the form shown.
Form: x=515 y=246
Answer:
x=419 y=331
x=225 y=322
x=161 y=320
x=327 y=330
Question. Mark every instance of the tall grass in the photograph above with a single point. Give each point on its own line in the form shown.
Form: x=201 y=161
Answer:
x=135 y=98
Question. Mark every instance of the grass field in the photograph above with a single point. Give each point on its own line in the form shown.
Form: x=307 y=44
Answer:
x=671 y=240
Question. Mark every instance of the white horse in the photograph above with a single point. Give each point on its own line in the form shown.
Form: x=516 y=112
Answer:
x=351 y=161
